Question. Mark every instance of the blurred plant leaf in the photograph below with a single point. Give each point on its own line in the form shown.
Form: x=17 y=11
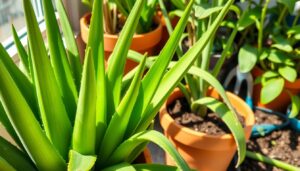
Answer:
x=295 y=108
x=248 y=18
x=288 y=73
x=282 y=44
x=271 y=89
x=204 y=10
x=279 y=57
x=53 y=113
x=290 y=4
x=247 y=58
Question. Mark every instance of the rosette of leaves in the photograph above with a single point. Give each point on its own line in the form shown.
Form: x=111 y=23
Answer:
x=205 y=15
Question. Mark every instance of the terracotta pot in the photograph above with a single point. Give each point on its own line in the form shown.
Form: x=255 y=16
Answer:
x=282 y=101
x=141 y=42
x=202 y=151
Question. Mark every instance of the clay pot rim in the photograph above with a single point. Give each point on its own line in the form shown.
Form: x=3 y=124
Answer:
x=257 y=71
x=84 y=21
x=249 y=121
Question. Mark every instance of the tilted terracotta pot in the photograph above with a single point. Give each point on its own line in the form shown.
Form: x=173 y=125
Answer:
x=141 y=42
x=282 y=101
x=202 y=151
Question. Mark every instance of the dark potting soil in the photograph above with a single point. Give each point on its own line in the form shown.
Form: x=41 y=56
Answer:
x=264 y=118
x=211 y=124
x=283 y=145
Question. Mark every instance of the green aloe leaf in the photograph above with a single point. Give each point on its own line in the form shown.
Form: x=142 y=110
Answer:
x=9 y=127
x=273 y=162
x=72 y=49
x=271 y=89
x=120 y=167
x=117 y=59
x=22 y=53
x=288 y=73
x=53 y=113
x=228 y=117
x=25 y=86
x=147 y=15
x=125 y=149
x=96 y=43
x=4 y=165
x=85 y=125
x=205 y=11
x=59 y=61
x=14 y=156
x=175 y=74
x=79 y=162
x=156 y=167
x=21 y=116
x=247 y=58
x=156 y=72
x=113 y=137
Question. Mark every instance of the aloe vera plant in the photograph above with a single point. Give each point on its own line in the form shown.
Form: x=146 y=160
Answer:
x=111 y=9
x=198 y=79
x=64 y=116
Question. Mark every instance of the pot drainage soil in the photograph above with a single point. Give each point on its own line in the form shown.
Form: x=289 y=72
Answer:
x=282 y=145
x=211 y=124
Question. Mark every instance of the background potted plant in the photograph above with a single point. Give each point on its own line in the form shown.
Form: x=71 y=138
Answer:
x=202 y=150
x=47 y=113
x=284 y=136
x=148 y=33
x=274 y=61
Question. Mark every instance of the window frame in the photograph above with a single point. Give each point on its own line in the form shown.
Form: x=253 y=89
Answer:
x=74 y=9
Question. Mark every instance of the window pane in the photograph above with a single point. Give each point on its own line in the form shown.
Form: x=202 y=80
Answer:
x=11 y=12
